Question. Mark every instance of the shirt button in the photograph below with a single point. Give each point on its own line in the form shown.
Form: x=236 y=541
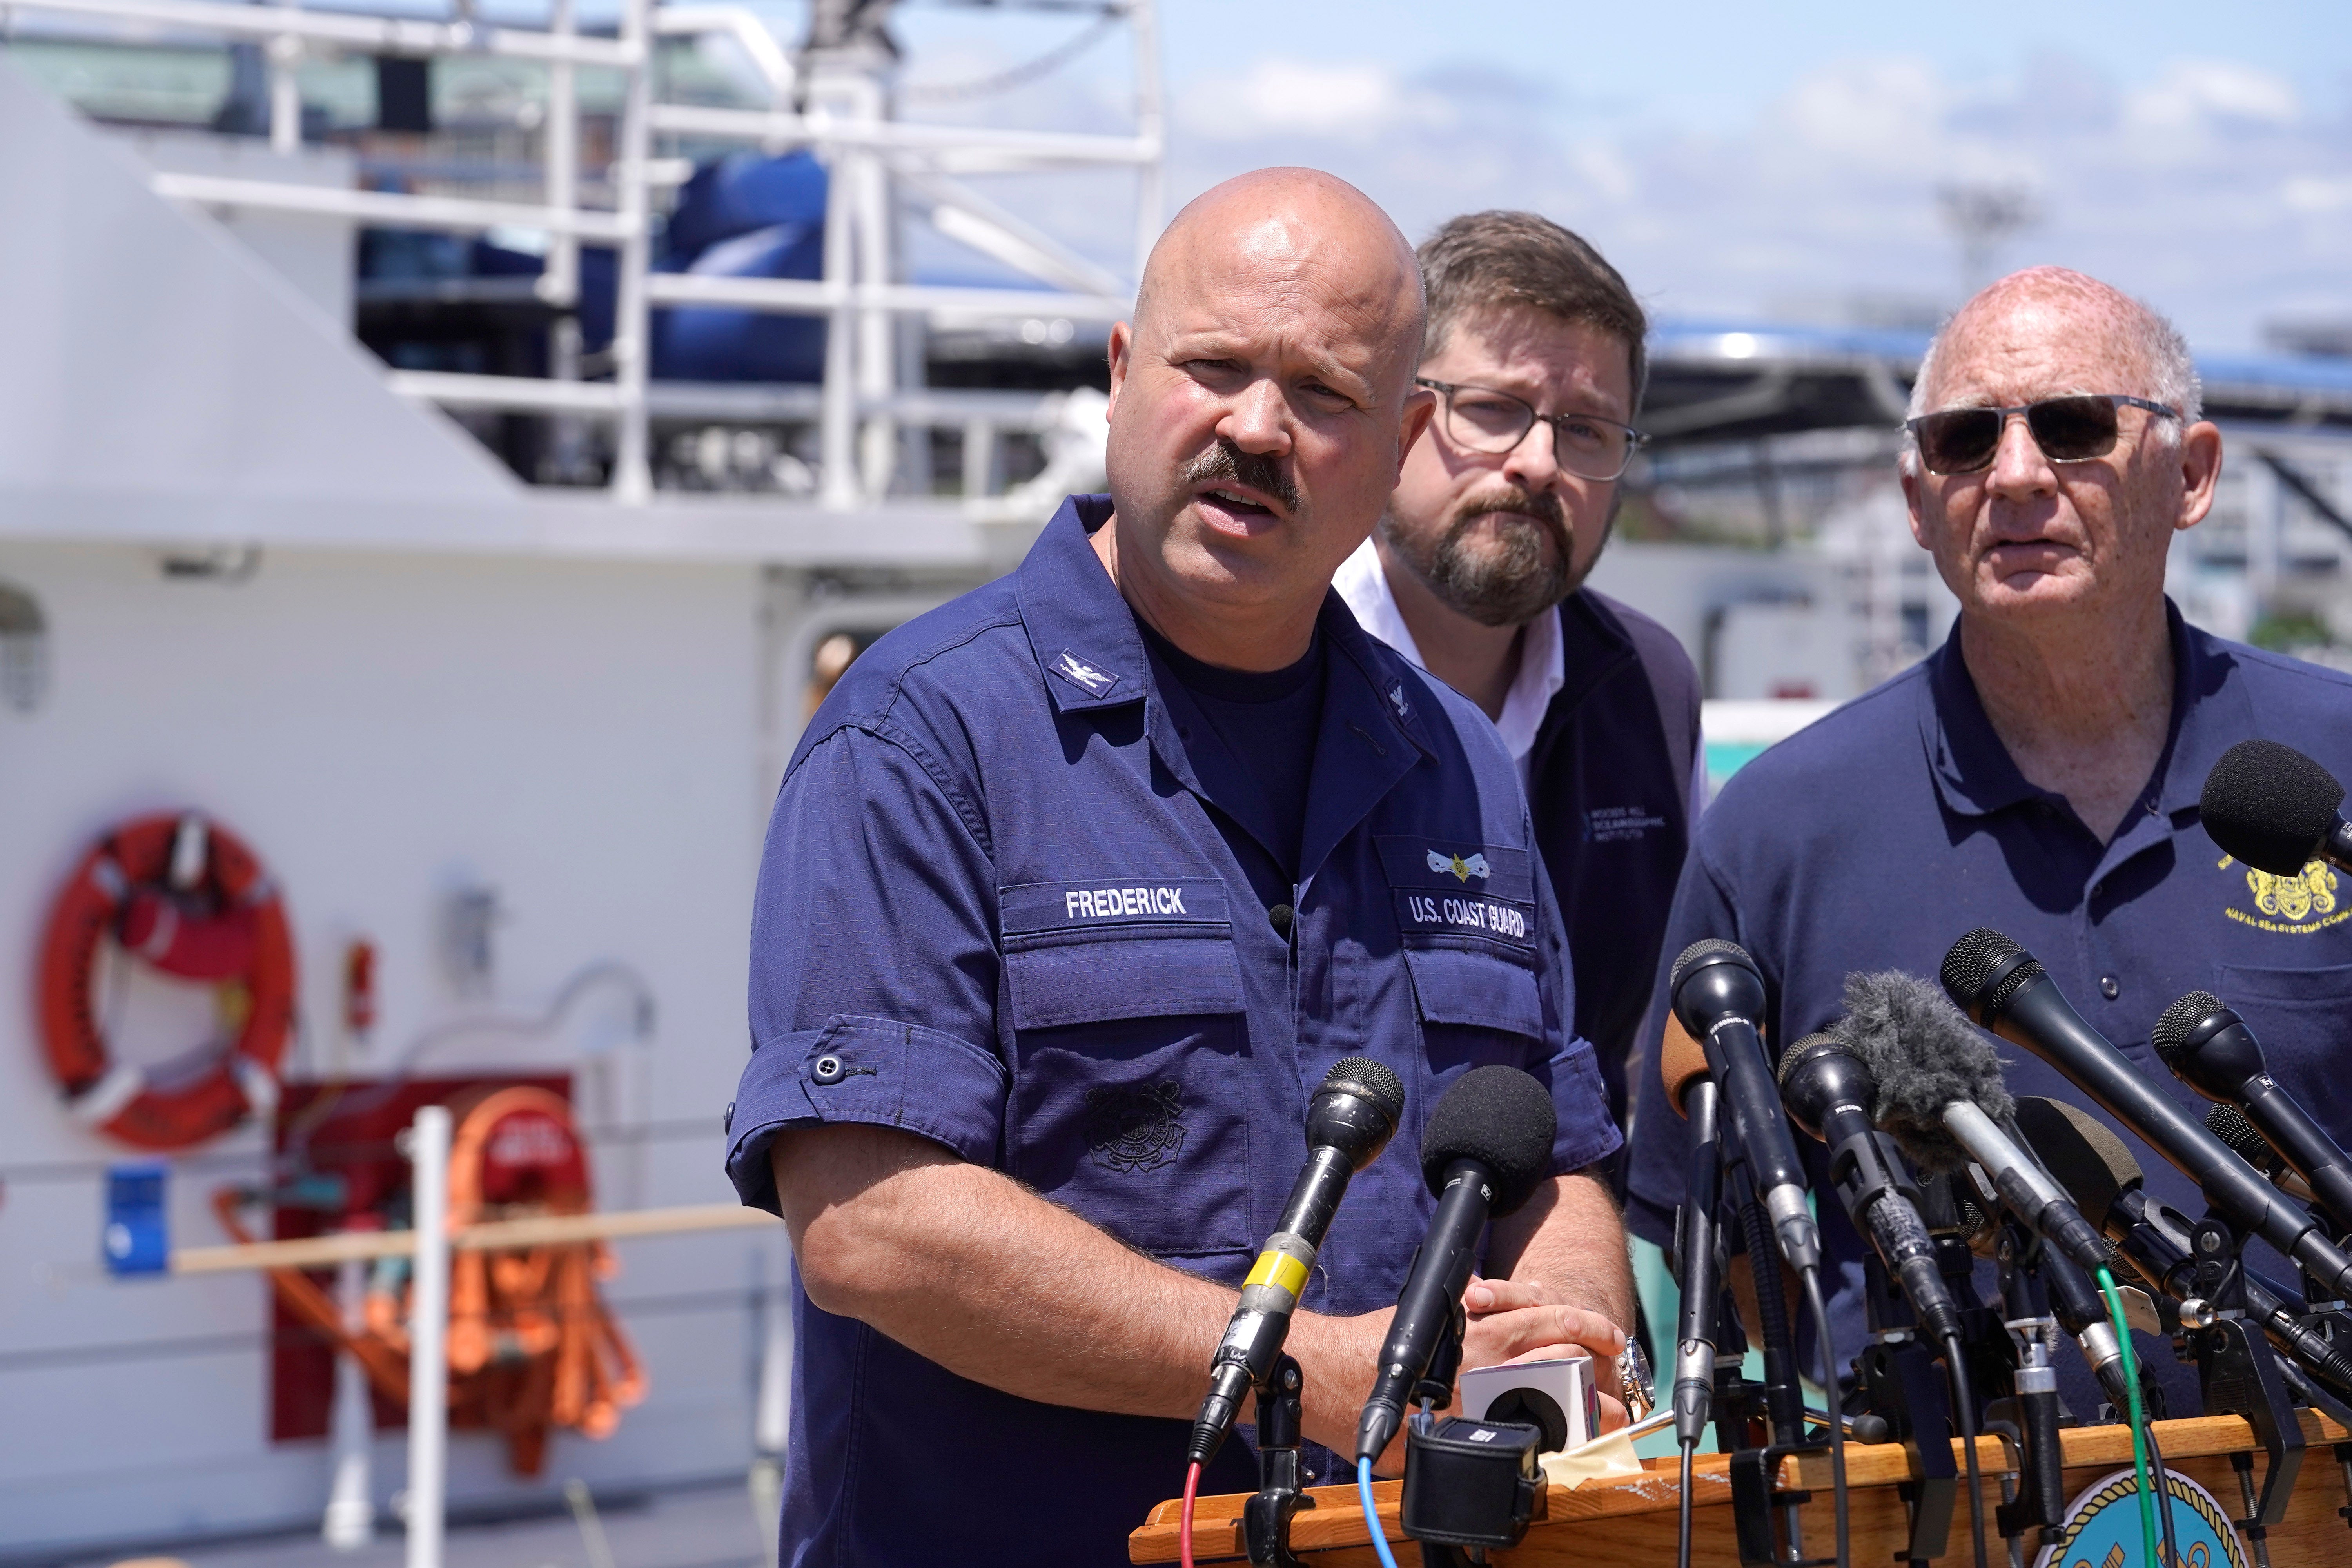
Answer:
x=828 y=1069
x=2097 y=888
x=1280 y=917
x=2109 y=988
x=726 y=1119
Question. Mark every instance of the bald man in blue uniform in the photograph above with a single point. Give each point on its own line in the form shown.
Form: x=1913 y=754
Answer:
x=1075 y=888
x=2039 y=772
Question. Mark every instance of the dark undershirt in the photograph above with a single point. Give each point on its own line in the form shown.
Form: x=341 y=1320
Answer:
x=1267 y=721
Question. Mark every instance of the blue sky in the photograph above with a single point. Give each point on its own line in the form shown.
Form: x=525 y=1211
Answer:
x=1714 y=64
x=1753 y=160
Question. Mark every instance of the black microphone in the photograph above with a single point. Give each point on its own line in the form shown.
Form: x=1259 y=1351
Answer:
x=2210 y=1048
x=1697 y=1259
x=1719 y=997
x=2100 y=1172
x=2275 y=809
x=1940 y=1093
x=1829 y=1091
x=2004 y=988
x=1348 y=1122
x=2244 y=1140
x=1486 y=1149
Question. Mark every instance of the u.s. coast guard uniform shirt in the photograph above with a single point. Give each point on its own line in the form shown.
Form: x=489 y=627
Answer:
x=1878 y=836
x=1012 y=903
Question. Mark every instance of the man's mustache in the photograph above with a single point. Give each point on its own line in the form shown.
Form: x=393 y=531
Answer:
x=1541 y=505
x=1252 y=470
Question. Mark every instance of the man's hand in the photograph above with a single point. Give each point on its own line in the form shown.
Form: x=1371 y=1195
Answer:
x=1519 y=1321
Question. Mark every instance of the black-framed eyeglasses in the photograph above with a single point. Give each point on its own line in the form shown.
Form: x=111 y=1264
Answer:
x=1484 y=420
x=2072 y=429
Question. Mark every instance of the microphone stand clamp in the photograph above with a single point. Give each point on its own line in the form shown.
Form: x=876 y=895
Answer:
x=2238 y=1375
x=1896 y=1381
x=1265 y=1516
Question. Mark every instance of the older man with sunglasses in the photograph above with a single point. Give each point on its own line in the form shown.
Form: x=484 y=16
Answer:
x=2039 y=772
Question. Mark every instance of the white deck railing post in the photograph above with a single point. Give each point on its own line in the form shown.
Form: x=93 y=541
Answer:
x=428 y=1333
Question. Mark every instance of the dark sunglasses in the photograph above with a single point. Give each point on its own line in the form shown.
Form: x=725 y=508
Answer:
x=2068 y=430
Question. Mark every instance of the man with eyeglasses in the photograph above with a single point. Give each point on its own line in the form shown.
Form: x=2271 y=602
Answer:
x=2039 y=772
x=1476 y=573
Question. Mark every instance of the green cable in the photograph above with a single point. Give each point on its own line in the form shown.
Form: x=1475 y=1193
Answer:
x=2147 y=1502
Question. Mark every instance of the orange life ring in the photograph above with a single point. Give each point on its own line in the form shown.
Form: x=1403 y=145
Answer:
x=187 y=897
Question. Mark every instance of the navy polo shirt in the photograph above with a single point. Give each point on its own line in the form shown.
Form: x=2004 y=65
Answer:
x=1877 y=838
x=999 y=908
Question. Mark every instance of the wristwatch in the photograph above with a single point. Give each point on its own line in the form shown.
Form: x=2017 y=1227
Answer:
x=1635 y=1379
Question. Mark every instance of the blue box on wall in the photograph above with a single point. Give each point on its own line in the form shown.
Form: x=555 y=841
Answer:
x=137 y=1239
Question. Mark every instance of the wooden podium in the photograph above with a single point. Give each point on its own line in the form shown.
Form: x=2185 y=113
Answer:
x=1631 y=1519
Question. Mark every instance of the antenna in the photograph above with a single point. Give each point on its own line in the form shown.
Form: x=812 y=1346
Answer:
x=1981 y=215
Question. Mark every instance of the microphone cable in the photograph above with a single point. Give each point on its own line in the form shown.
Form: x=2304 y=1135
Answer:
x=1371 y=1514
x=1682 y=1511
x=2148 y=1534
x=1191 y=1492
x=2164 y=1496
x=1811 y=1278
x=1964 y=1403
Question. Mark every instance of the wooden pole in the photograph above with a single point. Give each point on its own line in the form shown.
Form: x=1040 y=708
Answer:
x=327 y=1251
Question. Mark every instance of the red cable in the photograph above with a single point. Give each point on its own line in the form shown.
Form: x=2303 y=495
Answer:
x=1191 y=1486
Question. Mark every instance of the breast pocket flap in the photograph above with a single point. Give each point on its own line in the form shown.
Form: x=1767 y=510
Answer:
x=1451 y=985
x=1123 y=977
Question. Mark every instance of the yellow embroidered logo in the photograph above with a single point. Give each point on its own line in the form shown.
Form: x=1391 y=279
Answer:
x=2295 y=905
x=1462 y=869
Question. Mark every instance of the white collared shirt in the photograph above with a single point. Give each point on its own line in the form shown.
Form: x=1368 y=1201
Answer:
x=1542 y=669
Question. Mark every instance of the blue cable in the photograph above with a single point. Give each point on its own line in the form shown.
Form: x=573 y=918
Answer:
x=1371 y=1514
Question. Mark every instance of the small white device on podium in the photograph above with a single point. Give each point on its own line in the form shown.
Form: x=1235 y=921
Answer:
x=1558 y=1396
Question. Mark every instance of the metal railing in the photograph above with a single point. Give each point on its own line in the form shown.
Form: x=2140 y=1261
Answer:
x=836 y=103
x=429 y=1247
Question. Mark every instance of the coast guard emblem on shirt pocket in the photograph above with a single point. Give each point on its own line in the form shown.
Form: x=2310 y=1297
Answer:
x=1135 y=1127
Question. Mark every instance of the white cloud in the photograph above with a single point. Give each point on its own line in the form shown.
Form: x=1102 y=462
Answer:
x=2307 y=193
x=1279 y=96
x=2194 y=94
x=2211 y=191
x=1872 y=112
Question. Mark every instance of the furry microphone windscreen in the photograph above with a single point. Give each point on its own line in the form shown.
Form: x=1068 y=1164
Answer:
x=1503 y=1119
x=1924 y=1054
x=2269 y=804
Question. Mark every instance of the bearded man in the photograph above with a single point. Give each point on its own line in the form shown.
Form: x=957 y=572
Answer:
x=1476 y=573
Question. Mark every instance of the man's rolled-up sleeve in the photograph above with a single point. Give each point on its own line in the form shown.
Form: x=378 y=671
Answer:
x=874 y=962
